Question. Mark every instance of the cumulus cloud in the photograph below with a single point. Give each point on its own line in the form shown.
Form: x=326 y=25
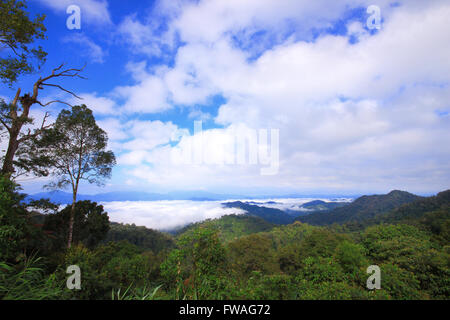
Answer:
x=166 y=215
x=134 y=141
x=352 y=115
x=89 y=49
x=92 y=11
x=100 y=105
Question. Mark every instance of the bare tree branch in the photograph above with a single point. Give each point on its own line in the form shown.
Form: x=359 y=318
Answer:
x=37 y=132
x=53 y=101
x=61 y=88
x=5 y=125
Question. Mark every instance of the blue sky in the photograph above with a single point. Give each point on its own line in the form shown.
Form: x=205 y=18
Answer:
x=357 y=109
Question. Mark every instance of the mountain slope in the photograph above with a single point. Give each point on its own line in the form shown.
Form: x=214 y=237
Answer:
x=272 y=215
x=417 y=209
x=431 y=214
x=363 y=208
x=319 y=205
x=142 y=237
x=232 y=226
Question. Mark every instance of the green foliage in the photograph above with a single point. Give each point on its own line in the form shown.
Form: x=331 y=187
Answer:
x=195 y=266
x=18 y=234
x=144 y=238
x=271 y=215
x=362 y=209
x=232 y=227
x=290 y=234
x=17 y=33
x=108 y=268
x=399 y=283
x=411 y=249
x=27 y=281
x=270 y=287
x=12 y=221
x=91 y=225
x=252 y=253
x=351 y=257
x=76 y=146
x=217 y=260
x=399 y=242
x=76 y=150
x=141 y=293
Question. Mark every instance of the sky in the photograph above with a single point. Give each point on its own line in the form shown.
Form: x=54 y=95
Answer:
x=321 y=96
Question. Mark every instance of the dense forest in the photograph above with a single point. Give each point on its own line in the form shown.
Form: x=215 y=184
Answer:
x=265 y=253
x=233 y=257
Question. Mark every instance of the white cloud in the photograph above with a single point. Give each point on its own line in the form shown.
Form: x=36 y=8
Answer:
x=165 y=215
x=134 y=140
x=92 y=11
x=351 y=116
x=138 y=99
x=90 y=49
x=197 y=114
x=98 y=104
x=141 y=37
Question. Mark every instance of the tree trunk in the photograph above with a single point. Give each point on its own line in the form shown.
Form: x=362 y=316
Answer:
x=13 y=144
x=72 y=220
x=14 y=131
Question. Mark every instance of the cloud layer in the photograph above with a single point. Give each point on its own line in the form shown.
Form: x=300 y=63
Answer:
x=165 y=215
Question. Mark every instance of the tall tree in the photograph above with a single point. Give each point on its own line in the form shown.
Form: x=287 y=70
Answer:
x=15 y=115
x=77 y=147
x=91 y=224
x=17 y=34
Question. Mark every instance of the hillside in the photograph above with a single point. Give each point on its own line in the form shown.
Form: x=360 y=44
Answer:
x=418 y=208
x=431 y=214
x=319 y=205
x=232 y=226
x=363 y=208
x=142 y=237
x=269 y=214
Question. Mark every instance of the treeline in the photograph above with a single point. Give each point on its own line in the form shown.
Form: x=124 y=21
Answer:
x=142 y=237
x=231 y=226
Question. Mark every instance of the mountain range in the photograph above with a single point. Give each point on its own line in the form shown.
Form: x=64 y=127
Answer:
x=397 y=207
x=62 y=197
x=363 y=208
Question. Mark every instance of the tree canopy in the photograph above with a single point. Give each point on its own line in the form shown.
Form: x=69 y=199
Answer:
x=18 y=32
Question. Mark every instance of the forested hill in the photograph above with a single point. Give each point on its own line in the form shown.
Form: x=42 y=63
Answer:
x=142 y=237
x=231 y=227
x=363 y=208
x=418 y=208
x=272 y=215
x=319 y=205
x=431 y=214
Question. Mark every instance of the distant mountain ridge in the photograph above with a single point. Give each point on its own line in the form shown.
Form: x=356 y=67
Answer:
x=62 y=197
x=319 y=205
x=272 y=215
x=417 y=209
x=365 y=207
